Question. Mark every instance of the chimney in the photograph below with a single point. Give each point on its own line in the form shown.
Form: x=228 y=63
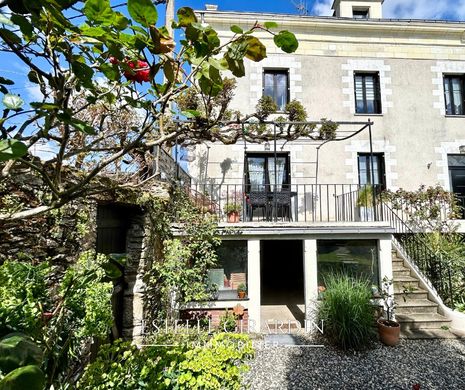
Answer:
x=358 y=9
x=211 y=7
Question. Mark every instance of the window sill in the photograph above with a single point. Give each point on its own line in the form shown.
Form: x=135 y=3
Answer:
x=455 y=116
x=359 y=114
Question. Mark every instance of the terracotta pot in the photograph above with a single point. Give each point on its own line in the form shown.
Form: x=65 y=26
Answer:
x=233 y=217
x=389 y=332
x=241 y=294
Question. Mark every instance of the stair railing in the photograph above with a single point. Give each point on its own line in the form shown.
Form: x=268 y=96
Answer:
x=420 y=254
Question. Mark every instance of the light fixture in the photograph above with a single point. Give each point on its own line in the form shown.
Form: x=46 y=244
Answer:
x=462 y=149
x=267 y=146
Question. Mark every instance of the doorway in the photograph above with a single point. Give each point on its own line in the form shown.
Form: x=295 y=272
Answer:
x=282 y=281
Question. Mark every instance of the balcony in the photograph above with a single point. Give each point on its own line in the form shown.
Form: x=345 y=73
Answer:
x=296 y=203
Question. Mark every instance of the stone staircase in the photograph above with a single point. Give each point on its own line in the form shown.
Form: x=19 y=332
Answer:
x=417 y=314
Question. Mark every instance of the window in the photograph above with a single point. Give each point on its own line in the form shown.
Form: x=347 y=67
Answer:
x=356 y=258
x=360 y=13
x=454 y=94
x=364 y=169
x=457 y=178
x=276 y=85
x=231 y=270
x=367 y=93
x=261 y=174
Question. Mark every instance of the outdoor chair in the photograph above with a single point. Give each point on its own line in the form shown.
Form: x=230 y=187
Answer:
x=282 y=203
x=258 y=200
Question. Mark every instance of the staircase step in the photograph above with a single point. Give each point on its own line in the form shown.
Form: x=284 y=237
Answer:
x=401 y=272
x=405 y=279
x=399 y=289
x=416 y=306
x=428 y=334
x=422 y=321
x=410 y=296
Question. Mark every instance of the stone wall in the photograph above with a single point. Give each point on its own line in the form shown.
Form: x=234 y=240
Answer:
x=58 y=236
x=61 y=235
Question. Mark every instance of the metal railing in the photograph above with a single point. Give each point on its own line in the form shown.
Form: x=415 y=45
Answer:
x=289 y=203
x=420 y=253
x=316 y=203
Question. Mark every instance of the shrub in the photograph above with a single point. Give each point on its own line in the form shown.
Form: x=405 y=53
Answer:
x=347 y=312
x=227 y=322
x=23 y=295
x=216 y=364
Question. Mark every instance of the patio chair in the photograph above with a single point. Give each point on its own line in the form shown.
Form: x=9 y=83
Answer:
x=258 y=200
x=282 y=202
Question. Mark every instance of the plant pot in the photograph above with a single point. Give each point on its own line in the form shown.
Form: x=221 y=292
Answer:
x=241 y=294
x=366 y=214
x=233 y=217
x=389 y=332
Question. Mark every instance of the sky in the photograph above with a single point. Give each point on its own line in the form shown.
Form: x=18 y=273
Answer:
x=401 y=9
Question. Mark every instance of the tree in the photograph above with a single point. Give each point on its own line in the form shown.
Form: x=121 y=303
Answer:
x=91 y=61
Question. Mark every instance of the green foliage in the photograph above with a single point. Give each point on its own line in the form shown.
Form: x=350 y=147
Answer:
x=232 y=207
x=143 y=12
x=18 y=350
x=328 y=129
x=181 y=269
x=428 y=208
x=12 y=149
x=242 y=287
x=23 y=297
x=296 y=111
x=28 y=377
x=365 y=196
x=265 y=107
x=217 y=364
x=449 y=251
x=430 y=212
x=227 y=322
x=347 y=312
x=286 y=41
x=59 y=319
x=126 y=48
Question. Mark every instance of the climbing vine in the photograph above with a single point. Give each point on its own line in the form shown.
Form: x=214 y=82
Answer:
x=182 y=255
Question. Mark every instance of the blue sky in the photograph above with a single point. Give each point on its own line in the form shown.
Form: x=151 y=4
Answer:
x=408 y=9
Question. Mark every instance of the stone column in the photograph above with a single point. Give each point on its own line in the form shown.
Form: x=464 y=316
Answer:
x=385 y=258
x=253 y=284
x=310 y=276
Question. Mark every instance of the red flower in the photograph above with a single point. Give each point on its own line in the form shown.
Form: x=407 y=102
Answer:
x=113 y=60
x=416 y=386
x=140 y=71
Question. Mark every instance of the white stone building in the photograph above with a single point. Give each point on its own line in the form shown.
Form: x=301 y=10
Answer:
x=408 y=78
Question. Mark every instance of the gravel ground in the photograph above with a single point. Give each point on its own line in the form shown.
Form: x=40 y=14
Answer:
x=434 y=364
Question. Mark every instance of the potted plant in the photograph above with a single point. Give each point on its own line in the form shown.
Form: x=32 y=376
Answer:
x=228 y=322
x=241 y=290
x=232 y=210
x=365 y=203
x=388 y=329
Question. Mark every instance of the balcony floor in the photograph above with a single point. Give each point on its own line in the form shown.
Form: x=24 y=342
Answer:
x=292 y=228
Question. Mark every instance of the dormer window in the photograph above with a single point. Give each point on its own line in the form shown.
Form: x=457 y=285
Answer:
x=359 y=13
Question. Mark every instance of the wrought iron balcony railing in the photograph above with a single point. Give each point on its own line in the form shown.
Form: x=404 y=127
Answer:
x=289 y=203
